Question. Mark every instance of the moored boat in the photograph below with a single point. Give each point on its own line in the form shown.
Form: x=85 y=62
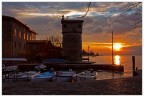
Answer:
x=86 y=75
x=21 y=76
x=41 y=68
x=64 y=76
x=45 y=76
x=27 y=75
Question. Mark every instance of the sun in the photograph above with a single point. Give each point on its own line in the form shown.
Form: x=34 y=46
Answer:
x=117 y=46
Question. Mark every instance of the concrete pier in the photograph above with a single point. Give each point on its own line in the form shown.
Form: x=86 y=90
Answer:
x=75 y=66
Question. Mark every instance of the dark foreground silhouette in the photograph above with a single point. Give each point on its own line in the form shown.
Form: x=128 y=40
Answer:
x=122 y=86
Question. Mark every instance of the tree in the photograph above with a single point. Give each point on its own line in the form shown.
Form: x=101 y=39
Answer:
x=55 y=40
x=137 y=6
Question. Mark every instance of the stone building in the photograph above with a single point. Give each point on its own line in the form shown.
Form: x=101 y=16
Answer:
x=18 y=41
x=14 y=37
x=72 y=39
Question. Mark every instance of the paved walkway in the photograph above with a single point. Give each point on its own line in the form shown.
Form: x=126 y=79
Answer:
x=122 y=86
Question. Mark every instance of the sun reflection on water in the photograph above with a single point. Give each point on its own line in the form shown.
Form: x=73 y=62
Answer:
x=117 y=60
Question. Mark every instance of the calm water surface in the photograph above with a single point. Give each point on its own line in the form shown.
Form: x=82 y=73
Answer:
x=126 y=61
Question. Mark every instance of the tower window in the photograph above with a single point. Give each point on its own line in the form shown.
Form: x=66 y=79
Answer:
x=64 y=25
x=79 y=25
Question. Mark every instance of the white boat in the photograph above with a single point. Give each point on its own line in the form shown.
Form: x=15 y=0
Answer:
x=45 y=76
x=86 y=76
x=9 y=72
x=27 y=75
x=40 y=67
x=22 y=76
x=64 y=76
x=10 y=68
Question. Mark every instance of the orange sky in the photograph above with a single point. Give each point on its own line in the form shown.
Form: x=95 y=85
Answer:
x=106 y=48
x=45 y=19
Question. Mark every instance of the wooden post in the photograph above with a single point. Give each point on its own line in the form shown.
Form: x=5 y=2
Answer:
x=88 y=53
x=133 y=62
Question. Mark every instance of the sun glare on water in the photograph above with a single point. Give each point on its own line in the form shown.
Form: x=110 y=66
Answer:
x=117 y=60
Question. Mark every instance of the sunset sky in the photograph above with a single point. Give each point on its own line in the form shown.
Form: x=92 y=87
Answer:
x=45 y=19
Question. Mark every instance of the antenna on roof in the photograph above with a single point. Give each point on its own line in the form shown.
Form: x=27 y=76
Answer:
x=86 y=11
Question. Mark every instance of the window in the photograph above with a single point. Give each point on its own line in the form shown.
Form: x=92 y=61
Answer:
x=34 y=47
x=27 y=36
x=64 y=25
x=15 y=44
x=80 y=26
x=24 y=36
x=19 y=45
x=19 y=34
x=15 y=32
x=30 y=38
x=24 y=46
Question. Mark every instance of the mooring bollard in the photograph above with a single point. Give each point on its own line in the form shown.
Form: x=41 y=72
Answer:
x=133 y=62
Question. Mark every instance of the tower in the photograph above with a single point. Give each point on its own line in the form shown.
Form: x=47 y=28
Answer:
x=72 y=39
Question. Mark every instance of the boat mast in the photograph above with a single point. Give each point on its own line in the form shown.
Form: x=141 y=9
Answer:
x=112 y=49
x=112 y=58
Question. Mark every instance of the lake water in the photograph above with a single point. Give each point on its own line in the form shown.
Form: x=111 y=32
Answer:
x=126 y=61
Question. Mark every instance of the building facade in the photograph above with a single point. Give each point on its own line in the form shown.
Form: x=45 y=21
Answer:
x=37 y=50
x=14 y=37
x=72 y=39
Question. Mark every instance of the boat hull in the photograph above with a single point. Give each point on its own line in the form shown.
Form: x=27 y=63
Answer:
x=86 y=76
x=46 y=76
x=83 y=78
x=41 y=79
x=64 y=76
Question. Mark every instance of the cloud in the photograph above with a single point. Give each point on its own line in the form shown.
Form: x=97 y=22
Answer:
x=41 y=8
x=132 y=50
x=45 y=17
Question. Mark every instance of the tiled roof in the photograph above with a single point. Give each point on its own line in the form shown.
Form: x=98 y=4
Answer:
x=17 y=21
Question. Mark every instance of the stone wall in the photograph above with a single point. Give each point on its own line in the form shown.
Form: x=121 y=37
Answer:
x=72 y=46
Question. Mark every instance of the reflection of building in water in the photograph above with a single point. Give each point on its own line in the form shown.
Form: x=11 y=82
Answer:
x=72 y=39
x=14 y=37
